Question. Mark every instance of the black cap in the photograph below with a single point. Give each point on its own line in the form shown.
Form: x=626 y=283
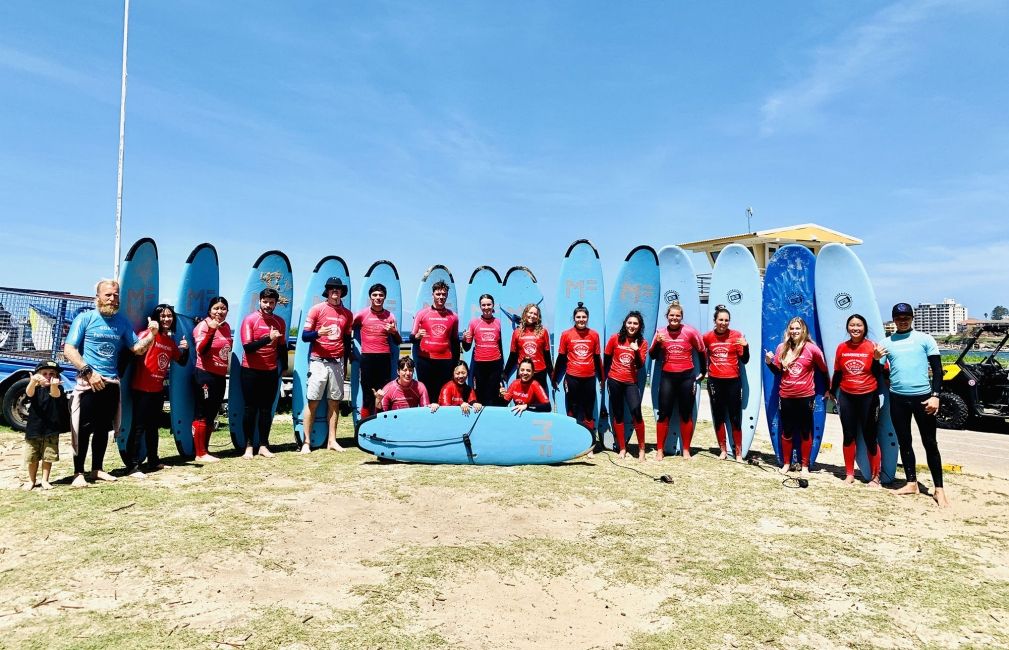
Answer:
x=51 y=365
x=903 y=309
x=334 y=283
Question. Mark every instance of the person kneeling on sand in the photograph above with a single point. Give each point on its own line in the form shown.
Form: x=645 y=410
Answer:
x=48 y=417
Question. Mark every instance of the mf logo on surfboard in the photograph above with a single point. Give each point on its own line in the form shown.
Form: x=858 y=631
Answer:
x=734 y=296
x=671 y=296
x=843 y=301
x=580 y=287
x=545 y=439
x=635 y=292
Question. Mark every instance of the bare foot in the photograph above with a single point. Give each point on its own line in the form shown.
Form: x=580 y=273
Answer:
x=265 y=452
x=849 y=479
x=334 y=447
x=622 y=453
x=248 y=453
x=805 y=472
x=28 y=485
x=723 y=455
x=207 y=459
x=910 y=488
x=874 y=483
x=46 y=485
x=659 y=455
x=785 y=469
x=102 y=475
x=306 y=449
x=686 y=454
x=138 y=474
x=79 y=481
x=739 y=458
x=939 y=495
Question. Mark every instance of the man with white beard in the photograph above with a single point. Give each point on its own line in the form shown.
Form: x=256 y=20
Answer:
x=93 y=345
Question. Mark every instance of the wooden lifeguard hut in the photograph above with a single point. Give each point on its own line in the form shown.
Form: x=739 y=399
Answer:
x=764 y=243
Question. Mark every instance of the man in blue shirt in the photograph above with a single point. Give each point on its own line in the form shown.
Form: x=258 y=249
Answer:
x=93 y=345
x=911 y=355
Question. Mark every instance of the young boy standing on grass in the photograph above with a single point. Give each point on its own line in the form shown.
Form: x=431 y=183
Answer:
x=48 y=417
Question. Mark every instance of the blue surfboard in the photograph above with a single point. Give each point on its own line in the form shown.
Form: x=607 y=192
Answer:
x=677 y=283
x=788 y=292
x=842 y=289
x=494 y=436
x=519 y=289
x=580 y=281
x=200 y=282
x=735 y=283
x=636 y=288
x=271 y=269
x=381 y=272
x=328 y=267
x=138 y=295
x=484 y=279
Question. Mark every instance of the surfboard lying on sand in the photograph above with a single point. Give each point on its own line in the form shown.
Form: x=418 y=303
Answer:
x=494 y=436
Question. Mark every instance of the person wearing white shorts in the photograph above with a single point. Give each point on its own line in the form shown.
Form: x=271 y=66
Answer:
x=328 y=330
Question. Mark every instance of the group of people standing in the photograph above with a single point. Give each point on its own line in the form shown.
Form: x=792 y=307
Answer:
x=98 y=338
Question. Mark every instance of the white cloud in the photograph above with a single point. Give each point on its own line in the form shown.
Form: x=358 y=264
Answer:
x=870 y=52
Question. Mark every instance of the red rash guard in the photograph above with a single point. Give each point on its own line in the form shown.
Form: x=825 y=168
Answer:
x=323 y=314
x=625 y=361
x=257 y=326
x=526 y=343
x=217 y=358
x=678 y=348
x=581 y=348
x=374 y=337
x=526 y=393
x=149 y=377
x=395 y=397
x=486 y=339
x=797 y=378
x=452 y=394
x=723 y=351
x=855 y=364
x=441 y=327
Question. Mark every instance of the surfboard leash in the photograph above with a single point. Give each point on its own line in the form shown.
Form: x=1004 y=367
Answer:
x=665 y=478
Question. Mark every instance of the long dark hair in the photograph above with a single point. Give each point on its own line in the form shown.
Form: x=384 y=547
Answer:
x=215 y=300
x=156 y=313
x=625 y=335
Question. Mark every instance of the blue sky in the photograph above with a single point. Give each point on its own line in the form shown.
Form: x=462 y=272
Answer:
x=497 y=133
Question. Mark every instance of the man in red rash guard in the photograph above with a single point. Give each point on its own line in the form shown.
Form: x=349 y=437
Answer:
x=265 y=344
x=328 y=330
x=436 y=331
x=379 y=339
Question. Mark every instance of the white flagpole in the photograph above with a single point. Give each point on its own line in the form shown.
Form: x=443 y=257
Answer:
x=122 y=140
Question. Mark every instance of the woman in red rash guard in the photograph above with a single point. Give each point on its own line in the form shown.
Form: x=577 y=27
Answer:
x=457 y=392
x=526 y=392
x=148 y=387
x=674 y=348
x=404 y=391
x=483 y=335
x=580 y=366
x=856 y=379
x=796 y=359
x=531 y=341
x=727 y=352
x=213 y=341
x=624 y=356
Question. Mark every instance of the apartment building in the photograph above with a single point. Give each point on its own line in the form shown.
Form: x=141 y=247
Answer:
x=940 y=318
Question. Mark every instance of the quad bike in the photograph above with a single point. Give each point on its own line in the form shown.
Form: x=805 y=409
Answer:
x=976 y=392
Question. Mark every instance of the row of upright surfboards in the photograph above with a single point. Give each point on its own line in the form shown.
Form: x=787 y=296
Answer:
x=824 y=290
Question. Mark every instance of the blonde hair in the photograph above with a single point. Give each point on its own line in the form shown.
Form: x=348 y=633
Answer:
x=674 y=305
x=104 y=281
x=539 y=317
x=791 y=346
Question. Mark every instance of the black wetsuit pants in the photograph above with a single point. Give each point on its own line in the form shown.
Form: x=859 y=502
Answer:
x=147 y=410
x=487 y=381
x=859 y=412
x=902 y=409
x=97 y=415
x=259 y=389
x=726 y=397
x=376 y=372
x=434 y=373
x=676 y=389
x=209 y=397
x=621 y=394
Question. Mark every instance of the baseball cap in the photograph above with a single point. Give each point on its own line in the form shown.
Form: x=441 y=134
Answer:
x=902 y=309
x=50 y=365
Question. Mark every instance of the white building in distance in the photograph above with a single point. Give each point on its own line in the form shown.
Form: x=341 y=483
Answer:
x=942 y=318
